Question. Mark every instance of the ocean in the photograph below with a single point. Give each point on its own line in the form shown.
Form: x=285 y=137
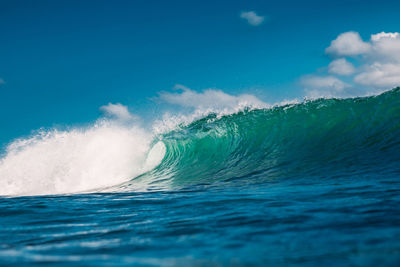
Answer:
x=305 y=184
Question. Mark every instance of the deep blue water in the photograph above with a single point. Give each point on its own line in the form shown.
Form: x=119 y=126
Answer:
x=304 y=223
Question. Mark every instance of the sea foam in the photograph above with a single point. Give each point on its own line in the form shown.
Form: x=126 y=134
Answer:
x=77 y=160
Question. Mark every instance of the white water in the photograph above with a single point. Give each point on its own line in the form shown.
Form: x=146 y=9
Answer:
x=77 y=160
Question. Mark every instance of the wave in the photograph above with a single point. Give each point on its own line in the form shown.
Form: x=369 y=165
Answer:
x=318 y=139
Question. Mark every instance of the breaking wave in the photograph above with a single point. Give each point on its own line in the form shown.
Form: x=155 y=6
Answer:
x=319 y=139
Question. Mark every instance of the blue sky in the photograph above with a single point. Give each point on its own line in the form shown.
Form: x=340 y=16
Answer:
x=62 y=60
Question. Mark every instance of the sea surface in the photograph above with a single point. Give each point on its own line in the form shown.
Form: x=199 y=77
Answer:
x=309 y=184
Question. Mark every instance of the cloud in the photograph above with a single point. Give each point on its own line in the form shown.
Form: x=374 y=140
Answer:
x=252 y=18
x=323 y=86
x=348 y=44
x=379 y=36
x=341 y=67
x=385 y=47
x=209 y=99
x=117 y=111
x=379 y=75
x=2 y=81
x=376 y=66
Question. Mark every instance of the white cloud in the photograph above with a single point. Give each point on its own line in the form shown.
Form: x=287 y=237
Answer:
x=341 y=67
x=209 y=99
x=379 y=75
x=2 y=81
x=386 y=47
x=252 y=18
x=117 y=111
x=324 y=86
x=381 y=68
x=381 y=35
x=378 y=66
x=348 y=44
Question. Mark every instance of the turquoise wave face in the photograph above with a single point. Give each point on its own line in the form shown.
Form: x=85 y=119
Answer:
x=322 y=139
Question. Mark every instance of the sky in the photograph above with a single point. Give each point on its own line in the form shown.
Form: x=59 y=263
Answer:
x=67 y=62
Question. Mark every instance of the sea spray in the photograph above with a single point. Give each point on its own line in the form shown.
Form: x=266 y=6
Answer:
x=76 y=160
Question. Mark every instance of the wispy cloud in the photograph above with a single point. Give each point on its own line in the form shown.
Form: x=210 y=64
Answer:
x=2 y=81
x=376 y=66
x=252 y=18
x=117 y=111
x=209 y=99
